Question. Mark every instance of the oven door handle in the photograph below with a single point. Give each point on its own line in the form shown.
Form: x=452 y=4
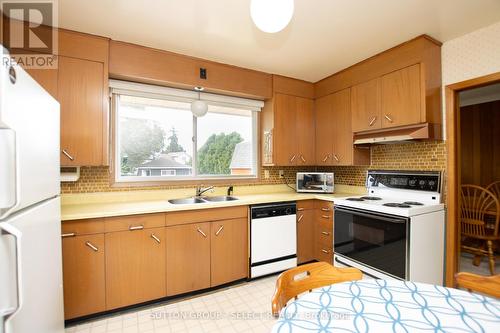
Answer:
x=372 y=216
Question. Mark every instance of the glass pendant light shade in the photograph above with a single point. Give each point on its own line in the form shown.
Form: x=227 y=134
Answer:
x=271 y=15
x=199 y=108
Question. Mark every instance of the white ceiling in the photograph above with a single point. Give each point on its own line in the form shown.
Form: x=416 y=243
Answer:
x=324 y=36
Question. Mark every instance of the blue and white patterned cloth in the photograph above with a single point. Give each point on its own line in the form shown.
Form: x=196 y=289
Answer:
x=389 y=306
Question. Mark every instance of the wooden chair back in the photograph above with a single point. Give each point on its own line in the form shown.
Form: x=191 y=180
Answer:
x=475 y=202
x=296 y=281
x=489 y=285
x=494 y=188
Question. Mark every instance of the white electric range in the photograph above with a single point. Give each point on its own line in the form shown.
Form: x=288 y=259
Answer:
x=396 y=231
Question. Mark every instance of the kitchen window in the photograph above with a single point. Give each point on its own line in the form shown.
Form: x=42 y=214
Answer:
x=157 y=138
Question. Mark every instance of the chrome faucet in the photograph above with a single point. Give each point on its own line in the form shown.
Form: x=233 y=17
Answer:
x=200 y=190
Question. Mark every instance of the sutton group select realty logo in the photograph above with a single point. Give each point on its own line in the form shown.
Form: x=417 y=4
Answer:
x=29 y=33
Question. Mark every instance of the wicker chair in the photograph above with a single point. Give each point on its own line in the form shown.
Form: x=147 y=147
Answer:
x=475 y=202
x=304 y=278
x=494 y=188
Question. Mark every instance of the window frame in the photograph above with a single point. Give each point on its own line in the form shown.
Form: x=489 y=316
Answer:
x=194 y=178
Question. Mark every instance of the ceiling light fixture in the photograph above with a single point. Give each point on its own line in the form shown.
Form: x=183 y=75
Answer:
x=271 y=15
x=199 y=108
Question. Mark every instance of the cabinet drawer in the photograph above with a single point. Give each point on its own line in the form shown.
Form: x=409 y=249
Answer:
x=305 y=205
x=206 y=215
x=82 y=227
x=324 y=238
x=134 y=222
x=324 y=225
x=324 y=253
x=324 y=206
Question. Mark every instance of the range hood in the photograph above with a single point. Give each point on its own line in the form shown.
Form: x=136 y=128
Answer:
x=397 y=134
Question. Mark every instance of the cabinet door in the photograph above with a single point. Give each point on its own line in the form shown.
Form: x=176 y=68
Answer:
x=403 y=97
x=305 y=131
x=324 y=130
x=365 y=106
x=342 y=135
x=80 y=92
x=229 y=251
x=135 y=267
x=285 y=136
x=305 y=236
x=83 y=275
x=188 y=258
x=47 y=78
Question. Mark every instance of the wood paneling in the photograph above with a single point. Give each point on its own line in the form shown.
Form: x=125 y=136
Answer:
x=80 y=93
x=141 y=64
x=135 y=267
x=289 y=86
x=83 y=227
x=403 y=97
x=204 y=215
x=366 y=106
x=83 y=275
x=480 y=143
x=229 y=251
x=305 y=204
x=83 y=46
x=188 y=258
x=122 y=223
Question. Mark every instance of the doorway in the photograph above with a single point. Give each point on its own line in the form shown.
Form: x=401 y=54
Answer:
x=473 y=141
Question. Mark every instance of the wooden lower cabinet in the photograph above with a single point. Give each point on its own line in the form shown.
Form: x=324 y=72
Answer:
x=84 y=275
x=323 y=231
x=135 y=266
x=188 y=258
x=305 y=236
x=228 y=251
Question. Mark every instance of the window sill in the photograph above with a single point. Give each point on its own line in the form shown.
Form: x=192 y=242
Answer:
x=185 y=182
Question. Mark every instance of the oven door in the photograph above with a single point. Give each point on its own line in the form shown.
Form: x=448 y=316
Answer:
x=378 y=241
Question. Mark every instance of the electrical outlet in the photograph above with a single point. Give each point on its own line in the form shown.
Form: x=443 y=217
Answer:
x=281 y=173
x=266 y=174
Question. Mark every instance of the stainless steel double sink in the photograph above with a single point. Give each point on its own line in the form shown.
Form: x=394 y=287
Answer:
x=200 y=200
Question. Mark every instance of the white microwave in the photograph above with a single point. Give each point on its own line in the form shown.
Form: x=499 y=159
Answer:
x=315 y=182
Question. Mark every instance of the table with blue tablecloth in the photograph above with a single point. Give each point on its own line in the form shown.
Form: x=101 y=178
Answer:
x=389 y=306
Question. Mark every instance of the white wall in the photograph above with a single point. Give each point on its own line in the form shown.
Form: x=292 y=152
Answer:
x=473 y=55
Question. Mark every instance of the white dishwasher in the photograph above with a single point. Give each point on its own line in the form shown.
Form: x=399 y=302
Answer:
x=273 y=238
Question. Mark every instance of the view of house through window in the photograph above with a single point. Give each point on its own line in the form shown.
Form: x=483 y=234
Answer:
x=160 y=139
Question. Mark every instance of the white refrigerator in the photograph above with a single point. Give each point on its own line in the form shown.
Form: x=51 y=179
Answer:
x=31 y=298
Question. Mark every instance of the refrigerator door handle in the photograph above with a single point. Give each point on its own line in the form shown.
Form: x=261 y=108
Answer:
x=8 y=174
x=9 y=229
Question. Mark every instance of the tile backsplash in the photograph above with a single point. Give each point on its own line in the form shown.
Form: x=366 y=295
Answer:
x=429 y=155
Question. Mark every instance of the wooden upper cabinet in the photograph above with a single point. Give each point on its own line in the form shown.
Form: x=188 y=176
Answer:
x=365 y=106
x=135 y=267
x=324 y=131
x=305 y=131
x=403 y=97
x=229 y=250
x=188 y=258
x=285 y=137
x=80 y=94
x=83 y=275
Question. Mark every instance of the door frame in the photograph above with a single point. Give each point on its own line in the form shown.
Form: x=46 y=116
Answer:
x=453 y=167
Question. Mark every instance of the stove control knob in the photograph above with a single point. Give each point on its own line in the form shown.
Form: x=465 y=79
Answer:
x=421 y=183
x=413 y=182
x=432 y=183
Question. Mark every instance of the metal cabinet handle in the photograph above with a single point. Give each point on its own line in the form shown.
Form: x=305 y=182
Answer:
x=336 y=157
x=219 y=230
x=325 y=233
x=93 y=247
x=300 y=218
x=388 y=118
x=293 y=158
x=138 y=227
x=156 y=238
x=325 y=216
x=201 y=232
x=302 y=158
x=71 y=158
x=325 y=209
x=71 y=234
x=300 y=209
x=325 y=251
x=325 y=158
x=372 y=121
